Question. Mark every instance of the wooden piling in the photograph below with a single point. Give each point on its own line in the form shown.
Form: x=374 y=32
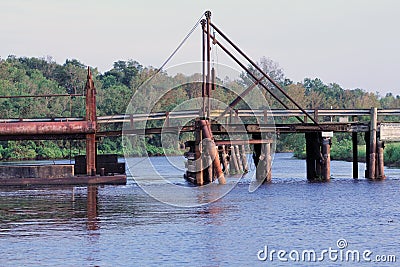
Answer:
x=224 y=159
x=261 y=170
x=234 y=163
x=373 y=139
x=355 y=154
x=326 y=165
x=239 y=158
x=381 y=165
x=209 y=178
x=367 y=137
x=268 y=163
x=244 y=159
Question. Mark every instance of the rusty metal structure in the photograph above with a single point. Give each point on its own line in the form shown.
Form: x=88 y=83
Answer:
x=209 y=158
x=318 y=135
x=90 y=118
x=62 y=129
x=201 y=168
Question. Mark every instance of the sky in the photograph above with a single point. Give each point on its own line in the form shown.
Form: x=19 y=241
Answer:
x=353 y=43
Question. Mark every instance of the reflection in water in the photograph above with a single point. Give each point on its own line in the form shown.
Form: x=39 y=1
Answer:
x=92 y=211
x=122 y=225
x=34 y=211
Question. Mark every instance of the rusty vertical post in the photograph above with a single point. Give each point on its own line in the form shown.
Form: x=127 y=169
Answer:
x=373 y=138
x=381 y=164
x=208 y=51
x=326 y=153
x=355 y=154
x=90 y=117
x=203 y=85
x=216 y=164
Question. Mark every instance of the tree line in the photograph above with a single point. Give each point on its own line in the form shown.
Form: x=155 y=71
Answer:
x=21 y=76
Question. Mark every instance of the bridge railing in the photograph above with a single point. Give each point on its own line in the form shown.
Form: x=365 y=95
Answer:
x=193 y=113
x=244 y=113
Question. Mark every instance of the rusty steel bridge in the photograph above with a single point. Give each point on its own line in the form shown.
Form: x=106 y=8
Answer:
x=318 y=125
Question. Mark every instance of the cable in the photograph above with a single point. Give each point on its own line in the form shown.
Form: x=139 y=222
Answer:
x=174 y=52
x=216 y=55
x=180 y=45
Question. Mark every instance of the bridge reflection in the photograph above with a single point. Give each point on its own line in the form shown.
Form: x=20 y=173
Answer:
x=92 y=208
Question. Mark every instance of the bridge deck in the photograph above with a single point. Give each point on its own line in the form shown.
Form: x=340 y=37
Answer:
x=77 y=128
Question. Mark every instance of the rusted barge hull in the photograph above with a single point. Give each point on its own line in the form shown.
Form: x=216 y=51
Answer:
x=119 y=179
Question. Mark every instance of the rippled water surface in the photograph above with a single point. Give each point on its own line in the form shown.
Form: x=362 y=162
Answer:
x=123 y=226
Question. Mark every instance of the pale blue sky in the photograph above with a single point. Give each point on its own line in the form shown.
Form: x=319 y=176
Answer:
x=352 y=42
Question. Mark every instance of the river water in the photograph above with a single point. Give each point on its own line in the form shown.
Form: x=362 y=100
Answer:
x=123 y=226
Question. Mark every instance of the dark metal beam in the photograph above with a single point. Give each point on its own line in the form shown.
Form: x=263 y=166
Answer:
x=252 y=75
x=208 y=50
x=262 y=72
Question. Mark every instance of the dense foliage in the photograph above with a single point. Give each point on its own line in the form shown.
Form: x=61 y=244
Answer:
x=38 y=76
